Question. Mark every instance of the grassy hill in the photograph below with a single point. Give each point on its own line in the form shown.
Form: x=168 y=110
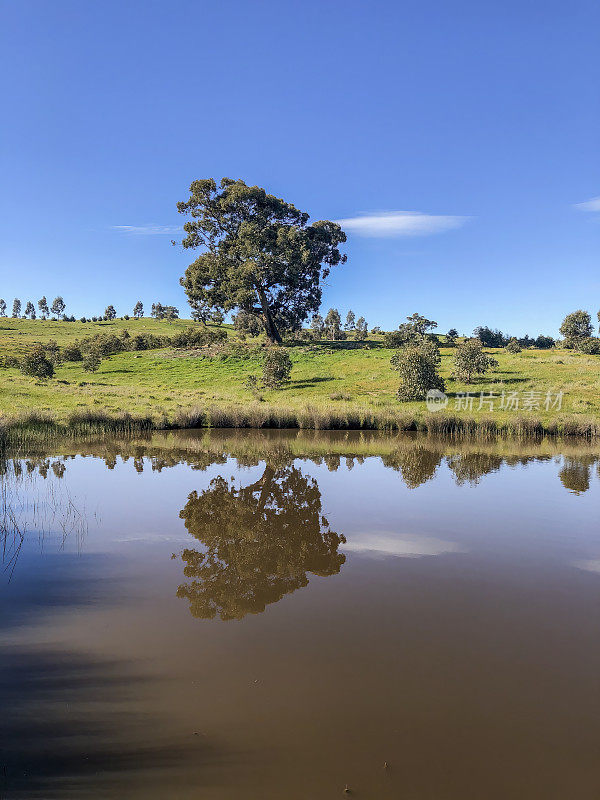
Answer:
x=337 y=383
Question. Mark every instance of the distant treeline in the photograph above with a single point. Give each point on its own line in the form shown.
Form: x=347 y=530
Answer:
x=58 y=308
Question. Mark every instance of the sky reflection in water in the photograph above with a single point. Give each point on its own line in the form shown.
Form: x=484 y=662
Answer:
x=208 y=615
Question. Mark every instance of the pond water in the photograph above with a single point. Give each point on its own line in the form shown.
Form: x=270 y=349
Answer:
x=283 y=616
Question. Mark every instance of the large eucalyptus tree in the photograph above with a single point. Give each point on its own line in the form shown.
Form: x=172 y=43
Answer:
x=259 y=254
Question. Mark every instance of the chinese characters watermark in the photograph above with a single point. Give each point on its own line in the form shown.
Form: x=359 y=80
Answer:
x=526 y=400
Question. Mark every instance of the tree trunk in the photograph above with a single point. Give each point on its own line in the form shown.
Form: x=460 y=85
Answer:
x=265 y=484
x=270 y=327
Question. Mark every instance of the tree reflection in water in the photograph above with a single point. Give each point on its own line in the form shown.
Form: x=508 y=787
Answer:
x=259 y=542
x=576 y=473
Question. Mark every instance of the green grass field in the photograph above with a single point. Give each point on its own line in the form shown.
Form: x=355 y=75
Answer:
x=335 y=377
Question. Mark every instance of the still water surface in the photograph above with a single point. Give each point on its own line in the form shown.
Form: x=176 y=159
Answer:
x=271 y=616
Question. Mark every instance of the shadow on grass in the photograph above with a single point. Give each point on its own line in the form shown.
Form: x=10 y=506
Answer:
x=483 y=386
x=307 y=383
x=498 y=380
x=326 y=344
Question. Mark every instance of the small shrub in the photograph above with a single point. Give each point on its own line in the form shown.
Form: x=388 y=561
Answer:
x=106 y=344
x=590 y=346
x=249 y=324
x=470 y=360
x=72 y=352
x=277 y=367
x=252 y=385
x=197 y=337
x=53 y=352
x=92 y=361
x=37 y=364
x=139 y=342
x=513 y=346
x=418 y=368
x=394 y=339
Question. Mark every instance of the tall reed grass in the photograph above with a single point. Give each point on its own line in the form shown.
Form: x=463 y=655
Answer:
x=37 y=426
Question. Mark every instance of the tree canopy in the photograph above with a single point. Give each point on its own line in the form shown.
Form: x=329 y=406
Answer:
x=260 y=255
x=161 y=312
x=413 y=331
x=43 y=307
x=577 y=325
x=58 y=306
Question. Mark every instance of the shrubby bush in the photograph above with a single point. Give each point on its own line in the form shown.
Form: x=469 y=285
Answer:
x=277 y=367
x=72 y=352
x=590 y=346
x=395 y=339
x=147 y=341
x=252 y=385
x=246 y=323
x=9 y=362
x=37 y=364
x=470 y=360
x=53 y=352
x=513 y=346
x=197 y=337
x=107 y=344
x=418 y=368
x=92 y=360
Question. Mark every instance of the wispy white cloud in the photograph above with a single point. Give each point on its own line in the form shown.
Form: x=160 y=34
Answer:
x=404 y=545
x=400 y=223
x=590 y=205
x=147 y=230
x=590 y=566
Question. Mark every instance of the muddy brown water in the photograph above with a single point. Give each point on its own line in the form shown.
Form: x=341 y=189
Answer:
x=282 y=616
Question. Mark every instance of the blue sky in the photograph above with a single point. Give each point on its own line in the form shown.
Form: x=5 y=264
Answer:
x=483 y=118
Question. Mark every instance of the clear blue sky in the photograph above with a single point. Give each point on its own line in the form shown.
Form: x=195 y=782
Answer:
x=463 y=136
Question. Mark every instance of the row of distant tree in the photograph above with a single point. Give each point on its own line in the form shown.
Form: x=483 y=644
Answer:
x=495 y=338
x=330 y=327
x=576 y=329
x=159 y=312
x=57 y=309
